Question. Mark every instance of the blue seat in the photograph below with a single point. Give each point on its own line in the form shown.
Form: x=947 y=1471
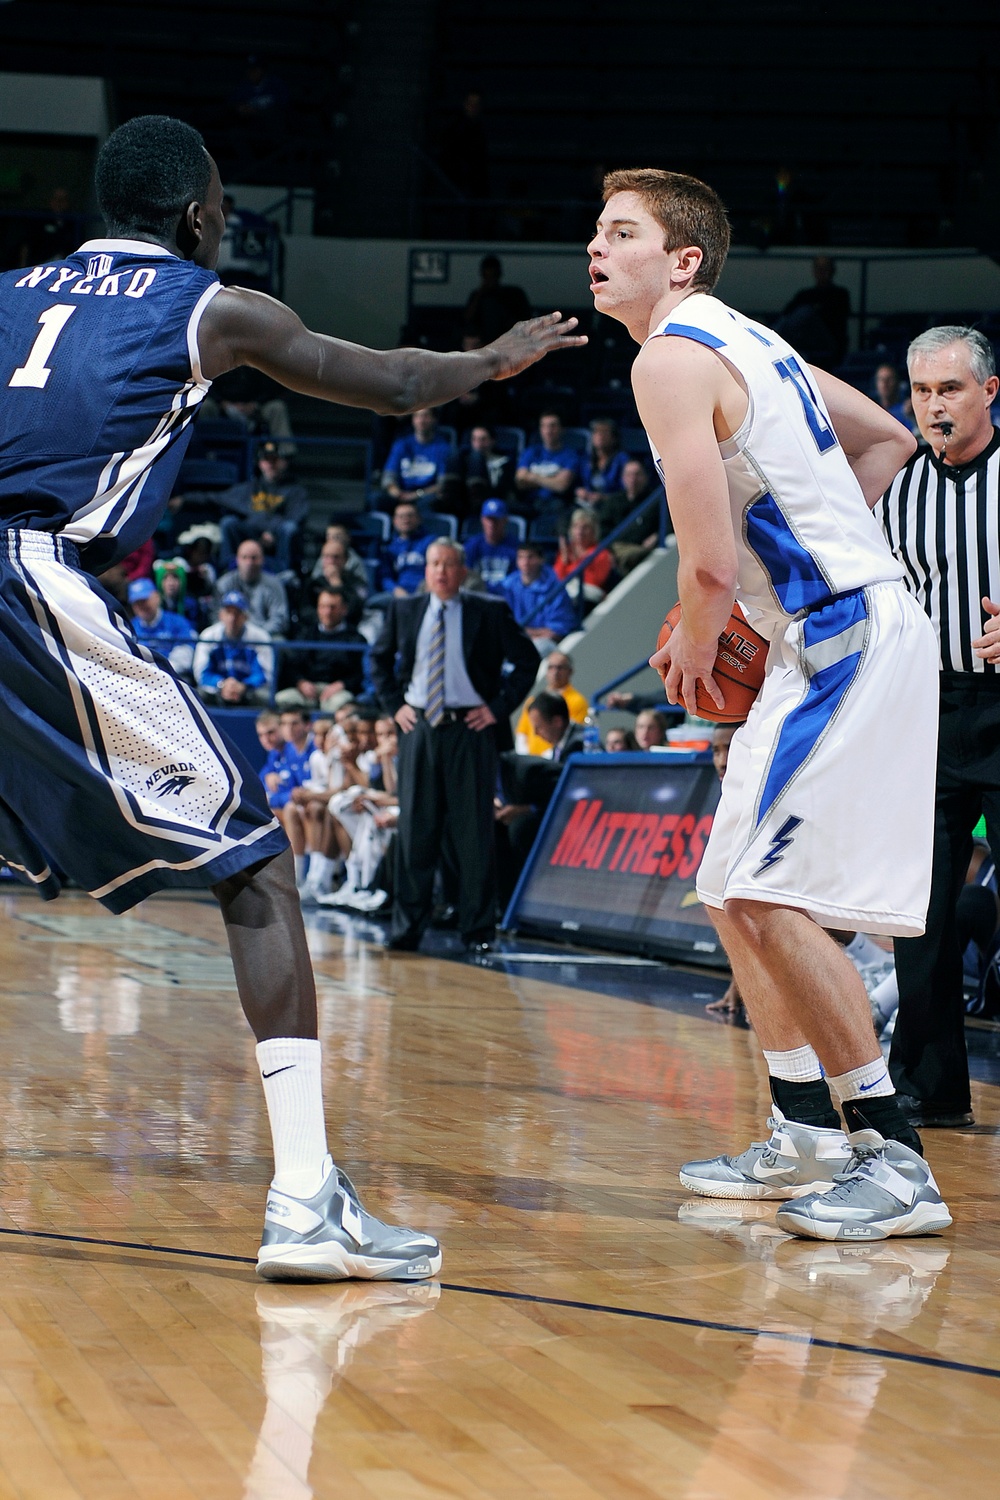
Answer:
x=371 y=527
x=206 y=474
x=510 y=439
x=441 y=525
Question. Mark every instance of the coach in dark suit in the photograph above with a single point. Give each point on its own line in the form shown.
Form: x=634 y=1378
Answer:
x=438 y=666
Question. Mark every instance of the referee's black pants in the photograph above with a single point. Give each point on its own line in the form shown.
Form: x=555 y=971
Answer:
x=447 y=782
x=928 y=1059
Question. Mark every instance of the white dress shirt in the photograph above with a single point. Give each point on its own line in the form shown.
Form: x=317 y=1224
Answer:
x=458 y=689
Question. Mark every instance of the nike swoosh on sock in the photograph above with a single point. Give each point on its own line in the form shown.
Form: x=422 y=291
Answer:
x=278 y=1070
x=863 y=1087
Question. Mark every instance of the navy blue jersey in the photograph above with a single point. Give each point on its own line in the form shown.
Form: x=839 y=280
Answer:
x=100 y=379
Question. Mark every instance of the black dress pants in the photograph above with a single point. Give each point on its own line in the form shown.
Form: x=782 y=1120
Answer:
x=447 y=782
x=928 y=1059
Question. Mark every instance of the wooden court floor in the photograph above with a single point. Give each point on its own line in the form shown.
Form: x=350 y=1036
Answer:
x=595 y=1333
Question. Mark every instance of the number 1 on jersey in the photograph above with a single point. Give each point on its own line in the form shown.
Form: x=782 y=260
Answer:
x=35 y=371
x=823 y=434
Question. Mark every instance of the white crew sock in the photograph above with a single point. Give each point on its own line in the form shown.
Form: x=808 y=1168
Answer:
x=291 y=1075
x=861 y=950
x=301 y=863
x=867 y=1082
x=800 y=1065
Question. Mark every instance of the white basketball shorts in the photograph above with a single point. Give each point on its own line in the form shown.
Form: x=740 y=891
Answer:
x=828 y=799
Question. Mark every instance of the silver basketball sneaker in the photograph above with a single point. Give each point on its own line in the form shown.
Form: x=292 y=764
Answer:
x=331 y=1237
x=887 y=1189
x=796 y=1159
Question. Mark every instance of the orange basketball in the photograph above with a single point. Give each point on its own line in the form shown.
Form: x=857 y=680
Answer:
x=739 y=668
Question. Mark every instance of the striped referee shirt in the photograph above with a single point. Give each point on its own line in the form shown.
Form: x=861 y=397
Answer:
x=943 y=524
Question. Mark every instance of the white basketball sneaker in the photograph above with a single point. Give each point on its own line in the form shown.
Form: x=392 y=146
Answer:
x=331 y=1237
x=796 y=1159
x=886 y=1189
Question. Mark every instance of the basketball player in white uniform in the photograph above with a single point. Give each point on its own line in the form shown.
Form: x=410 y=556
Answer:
x=824 y=821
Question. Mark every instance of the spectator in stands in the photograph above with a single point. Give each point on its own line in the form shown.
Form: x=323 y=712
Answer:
x=465 y=154
x=493 y=308
x=650 y=729
x=139 y=564
x=598 y=575
x=558 y=675
x=527 y=784
x=53 y=235
x=491 y=555
x=618 y=740
x=259 y=105
x=266 y=599
x=270 y=509
x=292 y=772
x=340 y=566
x=417 y=463
x=243 y=253
x=601 y=470
x=170 y=574
x=477 y=472
x=332 y=572
x=230 y=667
x=830 y=306
x=639 y=538
x=548 y=470
x=252 y=401
x=268 y=727
x=540 y=604
x=404 y=556
x=172 y=635
x=320 y=675
x=889 y=395
x=196 y=548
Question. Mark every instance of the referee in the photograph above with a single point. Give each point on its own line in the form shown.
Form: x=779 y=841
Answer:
x=941 y=515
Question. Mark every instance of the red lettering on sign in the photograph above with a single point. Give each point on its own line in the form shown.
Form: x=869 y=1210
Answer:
x=594 y=847
x=696 y=848
x=641 y=842
x=668 y=863
x=630 y=822
x=657 y=844
x=575 y=833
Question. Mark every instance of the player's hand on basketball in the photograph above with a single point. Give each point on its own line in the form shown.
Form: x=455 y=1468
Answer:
x=532 y=340
x=987 y=648
x=687 y=664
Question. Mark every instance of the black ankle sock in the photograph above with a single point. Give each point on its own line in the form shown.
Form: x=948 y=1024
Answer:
x=883 y=1113
x=806 y=1103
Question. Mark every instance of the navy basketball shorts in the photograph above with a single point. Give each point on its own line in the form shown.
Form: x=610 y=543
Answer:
x=111 y=771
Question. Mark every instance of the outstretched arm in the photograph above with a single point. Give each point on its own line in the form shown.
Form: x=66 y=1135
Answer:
x=876 y=445
x=241 y=327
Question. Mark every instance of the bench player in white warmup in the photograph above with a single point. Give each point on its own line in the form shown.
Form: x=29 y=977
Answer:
x=768 y=466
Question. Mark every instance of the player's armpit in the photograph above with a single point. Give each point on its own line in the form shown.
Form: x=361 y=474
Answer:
x=677 y=391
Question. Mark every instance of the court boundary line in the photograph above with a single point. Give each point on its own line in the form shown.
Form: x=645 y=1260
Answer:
x=874 y=1351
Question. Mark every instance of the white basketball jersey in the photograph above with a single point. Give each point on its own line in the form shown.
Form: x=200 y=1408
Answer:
x=804 y=532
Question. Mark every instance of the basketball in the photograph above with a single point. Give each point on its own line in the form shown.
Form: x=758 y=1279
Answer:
x=739 y=668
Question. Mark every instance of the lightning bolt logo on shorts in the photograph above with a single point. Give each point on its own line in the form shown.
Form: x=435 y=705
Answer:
x=779 y=844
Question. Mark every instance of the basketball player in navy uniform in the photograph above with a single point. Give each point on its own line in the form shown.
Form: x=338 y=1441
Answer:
x=768 y=466
x=111 y=772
